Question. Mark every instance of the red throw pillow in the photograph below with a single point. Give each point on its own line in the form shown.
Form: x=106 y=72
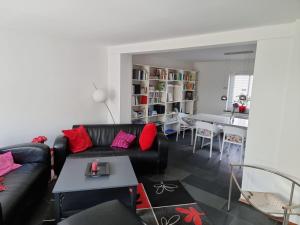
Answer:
x=147 y=136
x=79 y=139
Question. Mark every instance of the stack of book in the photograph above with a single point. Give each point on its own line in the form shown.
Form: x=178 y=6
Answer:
x=158 y=74
x=175 y=76
x=155 y=97
x=188 y=76
x=138 y=89
x=189 y=95
x=139 y=74
x=189 y=86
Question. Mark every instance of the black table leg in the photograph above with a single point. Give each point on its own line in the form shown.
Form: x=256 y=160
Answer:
x=133 y=194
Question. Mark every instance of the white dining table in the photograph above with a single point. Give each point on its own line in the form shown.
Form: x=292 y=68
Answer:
x=221 y=120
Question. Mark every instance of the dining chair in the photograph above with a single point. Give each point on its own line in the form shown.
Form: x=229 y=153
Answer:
x=234 y=135
x=207 y=131
x=184 y=125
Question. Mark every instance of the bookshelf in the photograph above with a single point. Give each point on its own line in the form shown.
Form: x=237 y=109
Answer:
x=158 y=94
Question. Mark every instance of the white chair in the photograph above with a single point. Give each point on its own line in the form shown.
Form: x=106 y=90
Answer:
x=183 y=126
x=207 y=131
x=234 y=135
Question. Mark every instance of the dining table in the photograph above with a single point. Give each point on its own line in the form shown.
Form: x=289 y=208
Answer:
x=220 y=120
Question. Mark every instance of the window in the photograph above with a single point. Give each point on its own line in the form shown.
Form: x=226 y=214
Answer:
x=240 y=84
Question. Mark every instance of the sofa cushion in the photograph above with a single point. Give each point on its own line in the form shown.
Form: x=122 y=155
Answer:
x=147 y=136
x=123 y=140
x=138 y=156
x=19 y=183
x=133 y=153
x=78 y=138
x=95 y=152
x=7 y=163
x=104 y=134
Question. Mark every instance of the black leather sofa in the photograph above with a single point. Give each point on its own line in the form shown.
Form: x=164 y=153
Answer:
x=25 y=185
x=154 y=160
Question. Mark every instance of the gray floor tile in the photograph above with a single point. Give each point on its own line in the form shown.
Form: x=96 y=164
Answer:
x=205 y=197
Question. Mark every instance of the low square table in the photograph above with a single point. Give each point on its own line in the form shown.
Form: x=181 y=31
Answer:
x=72 y=178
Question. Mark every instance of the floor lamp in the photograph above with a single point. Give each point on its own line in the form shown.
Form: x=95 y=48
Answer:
x=100 y=96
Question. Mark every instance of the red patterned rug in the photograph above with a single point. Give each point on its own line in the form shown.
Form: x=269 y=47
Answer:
x=168 y=203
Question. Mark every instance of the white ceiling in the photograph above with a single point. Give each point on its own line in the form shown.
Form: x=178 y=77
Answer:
x=127 y=21
x=208 y=54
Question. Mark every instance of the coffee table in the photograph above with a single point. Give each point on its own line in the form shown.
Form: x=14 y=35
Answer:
x=72 y=179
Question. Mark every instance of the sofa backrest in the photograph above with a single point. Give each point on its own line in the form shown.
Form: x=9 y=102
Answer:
x=104 y=134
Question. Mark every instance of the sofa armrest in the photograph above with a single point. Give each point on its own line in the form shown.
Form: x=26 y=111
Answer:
x=162 y=147
x=60 y=149
x=29 y=153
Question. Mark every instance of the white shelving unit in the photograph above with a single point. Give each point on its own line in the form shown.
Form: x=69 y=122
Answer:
x=158 y=94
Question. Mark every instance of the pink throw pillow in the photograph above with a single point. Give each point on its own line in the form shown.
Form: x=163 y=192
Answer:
x=7 y=163
x=123 y=140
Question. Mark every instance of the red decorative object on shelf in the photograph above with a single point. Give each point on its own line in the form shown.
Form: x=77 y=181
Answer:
x=242 y=108
x=143 y=99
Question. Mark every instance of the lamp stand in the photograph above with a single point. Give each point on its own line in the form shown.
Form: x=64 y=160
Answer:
x=110 y=113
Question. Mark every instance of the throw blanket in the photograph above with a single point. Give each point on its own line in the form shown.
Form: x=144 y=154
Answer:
x=2 y=187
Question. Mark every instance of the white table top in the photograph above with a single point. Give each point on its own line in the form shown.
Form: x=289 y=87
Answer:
x=221 y=119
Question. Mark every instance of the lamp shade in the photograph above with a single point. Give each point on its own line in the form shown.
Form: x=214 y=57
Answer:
x=99 y=95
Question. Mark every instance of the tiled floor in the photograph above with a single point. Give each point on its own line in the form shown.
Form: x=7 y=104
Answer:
x=205 y=179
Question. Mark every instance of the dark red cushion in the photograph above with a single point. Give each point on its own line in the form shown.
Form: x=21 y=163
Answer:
x=147 y=136
x=79 y=139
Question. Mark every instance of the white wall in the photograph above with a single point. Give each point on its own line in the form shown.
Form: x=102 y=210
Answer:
x=46 y=85
x=213 y=82
x=273 y=135
x=153 y=60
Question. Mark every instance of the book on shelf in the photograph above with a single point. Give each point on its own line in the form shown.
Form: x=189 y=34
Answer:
x=156 y=97
x=189 y=86
x=144 y=90
x=170 y=97
x=156 y=109
x=189 y=95
x=155 y=94
x=189 y=76
x=176 y=107
x=174 y=93
x=158 y=73
x=160 y=109
x=139 y=74
x=175 y=76
x=136 y=89
x=139 y=89
x=139 y=100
